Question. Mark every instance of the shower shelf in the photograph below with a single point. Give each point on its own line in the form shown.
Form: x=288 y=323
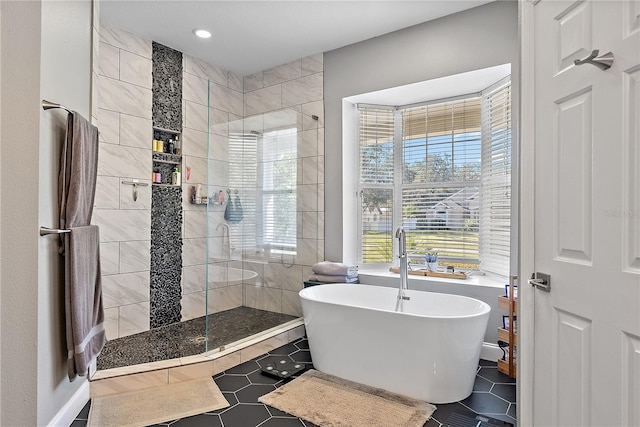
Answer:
x=156 y=184
x=171 y=162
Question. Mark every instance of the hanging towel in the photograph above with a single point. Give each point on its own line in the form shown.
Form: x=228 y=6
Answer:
x=83 y=299
x=78 y=173
x=233 y=213
x=238 y=214
x=228 y=211
x=81 y=248
x=335 y=269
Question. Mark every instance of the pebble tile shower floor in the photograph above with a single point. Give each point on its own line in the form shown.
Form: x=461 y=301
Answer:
x=494 y=396
x=187 y=338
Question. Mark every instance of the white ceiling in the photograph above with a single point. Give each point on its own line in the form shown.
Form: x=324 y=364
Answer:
x=249 y=36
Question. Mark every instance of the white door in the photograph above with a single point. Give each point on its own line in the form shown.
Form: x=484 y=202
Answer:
x=586 y=367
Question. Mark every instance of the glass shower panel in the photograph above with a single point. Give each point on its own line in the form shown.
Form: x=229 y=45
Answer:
x=252 y=225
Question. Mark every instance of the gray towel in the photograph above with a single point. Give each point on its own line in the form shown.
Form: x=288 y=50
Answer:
x=332 y=278
x=83 y=299
x=78 y=173
x=329 y=268
x=81 y=248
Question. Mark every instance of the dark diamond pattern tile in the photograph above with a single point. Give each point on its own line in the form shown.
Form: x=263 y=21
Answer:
x=505 y=391
x=482 y=385
x=302 y=356
x=493 y=396
x=232 y=382
x=253 y=392
x=244 y=368
x=303 y=344
x=512 y=411
x=245 y=414
x=486 y=403
x=495 y=376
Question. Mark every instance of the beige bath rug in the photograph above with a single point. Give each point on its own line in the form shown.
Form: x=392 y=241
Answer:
x=330 y=401
x=157 y=404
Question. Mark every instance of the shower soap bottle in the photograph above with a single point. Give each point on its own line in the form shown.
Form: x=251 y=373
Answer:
x=175 y=177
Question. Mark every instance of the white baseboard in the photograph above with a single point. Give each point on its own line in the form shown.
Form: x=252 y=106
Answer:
x=490 y=352
x=74 y=405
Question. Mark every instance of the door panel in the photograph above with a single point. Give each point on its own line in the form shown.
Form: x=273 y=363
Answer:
x=573 y=26
x=571 y=397
x=587 y=214
x=573 y=173
x=631 y=375
x=631 y=180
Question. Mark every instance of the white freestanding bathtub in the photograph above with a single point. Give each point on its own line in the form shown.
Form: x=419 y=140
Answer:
x=430 y=351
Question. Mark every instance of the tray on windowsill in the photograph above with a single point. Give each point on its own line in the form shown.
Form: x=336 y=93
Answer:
x=458 y=275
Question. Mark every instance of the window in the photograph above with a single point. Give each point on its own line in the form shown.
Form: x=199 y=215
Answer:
x=263 y=169
x=442 y=171
x=279 y=177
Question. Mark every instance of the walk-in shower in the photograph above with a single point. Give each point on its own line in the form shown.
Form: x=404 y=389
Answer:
x=239 y=240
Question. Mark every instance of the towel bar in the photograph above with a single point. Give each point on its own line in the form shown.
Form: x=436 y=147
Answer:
x=48 y=105
x=45 y=231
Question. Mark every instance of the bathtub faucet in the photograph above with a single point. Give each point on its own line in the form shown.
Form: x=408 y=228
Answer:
x=404 y=267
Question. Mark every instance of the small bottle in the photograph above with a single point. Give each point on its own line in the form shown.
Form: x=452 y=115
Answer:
x=178 y=148
x=171 y=149
x=166 y=145
x=175 y=177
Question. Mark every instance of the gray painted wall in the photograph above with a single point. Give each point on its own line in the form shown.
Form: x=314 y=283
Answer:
x=46 y=53
x=477 y=38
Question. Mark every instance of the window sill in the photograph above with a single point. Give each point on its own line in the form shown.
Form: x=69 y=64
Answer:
x=378 y=273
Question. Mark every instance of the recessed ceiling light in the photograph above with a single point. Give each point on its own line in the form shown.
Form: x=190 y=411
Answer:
x=203 y=34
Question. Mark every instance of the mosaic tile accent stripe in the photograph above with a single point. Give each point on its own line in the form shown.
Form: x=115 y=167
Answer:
x=167 y=87
x=166 y=256
x=166 y=202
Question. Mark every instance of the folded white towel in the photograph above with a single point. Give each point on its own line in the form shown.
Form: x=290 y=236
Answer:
x=332 y=278
x=329 y=268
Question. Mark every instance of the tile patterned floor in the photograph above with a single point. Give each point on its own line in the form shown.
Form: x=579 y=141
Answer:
x=494 y=396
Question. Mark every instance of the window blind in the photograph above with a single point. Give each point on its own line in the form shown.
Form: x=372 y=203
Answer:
x=441 y=147
x=376 y=170
x=243 y=178
x=279 y=177
x=495 y=224
x=376 y=146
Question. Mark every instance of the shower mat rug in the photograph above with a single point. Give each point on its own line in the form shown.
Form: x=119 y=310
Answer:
x=330 y=401
x=155 y=405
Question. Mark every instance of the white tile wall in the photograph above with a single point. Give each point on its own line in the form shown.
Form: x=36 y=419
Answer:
x=124 y=119
x=135 y=69
x=135 y=256
x=135 y=131
x=263 y=100
x=123 y=289
x=124 y=97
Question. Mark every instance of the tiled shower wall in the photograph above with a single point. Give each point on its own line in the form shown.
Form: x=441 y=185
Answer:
x=124 y=120
x=226 y=106
x=297 y=86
